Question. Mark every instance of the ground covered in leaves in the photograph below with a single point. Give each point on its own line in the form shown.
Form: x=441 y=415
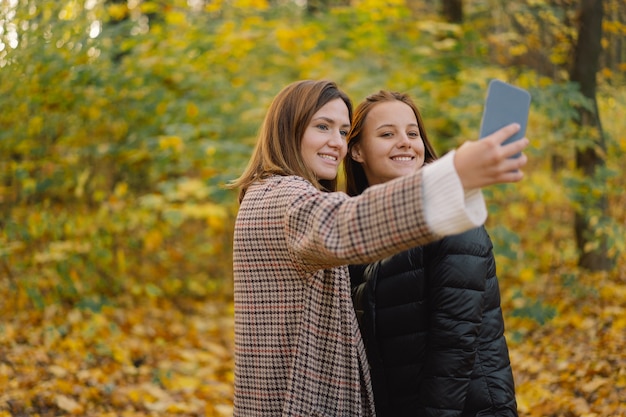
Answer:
x=151 y=359
x=157 y=357
x=568 y=350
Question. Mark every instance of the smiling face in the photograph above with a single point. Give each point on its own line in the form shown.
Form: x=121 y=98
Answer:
x=324 y=141
x=391 y=145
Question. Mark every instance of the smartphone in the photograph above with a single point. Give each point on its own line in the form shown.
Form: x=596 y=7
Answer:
x=505 y=104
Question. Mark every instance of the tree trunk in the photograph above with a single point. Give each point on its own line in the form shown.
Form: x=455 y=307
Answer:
x=592 y=246
x=118 y=54
x=452 y=10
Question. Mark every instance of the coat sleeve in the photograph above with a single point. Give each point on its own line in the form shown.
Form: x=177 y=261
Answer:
x=449 y=208
x=457 y=285
x=325 y=230
x=330 y=229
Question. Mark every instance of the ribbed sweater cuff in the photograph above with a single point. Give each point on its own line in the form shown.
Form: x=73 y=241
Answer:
x=448 y=208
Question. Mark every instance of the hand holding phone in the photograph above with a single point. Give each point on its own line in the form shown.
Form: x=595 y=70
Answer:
x=505 y=104
x=480 y=163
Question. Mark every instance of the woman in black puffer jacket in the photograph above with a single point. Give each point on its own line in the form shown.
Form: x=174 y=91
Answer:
x=430 y=316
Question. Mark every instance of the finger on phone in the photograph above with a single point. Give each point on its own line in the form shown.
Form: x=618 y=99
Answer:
x=514 y=164
x=515 y=148
x=506 y=132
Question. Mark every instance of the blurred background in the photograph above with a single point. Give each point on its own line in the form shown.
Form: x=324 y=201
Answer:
x=121 y=121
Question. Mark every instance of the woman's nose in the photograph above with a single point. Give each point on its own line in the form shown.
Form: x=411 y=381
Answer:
x=403 y=140
x=338 y=139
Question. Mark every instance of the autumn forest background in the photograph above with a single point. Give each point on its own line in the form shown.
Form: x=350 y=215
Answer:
x=122 y=120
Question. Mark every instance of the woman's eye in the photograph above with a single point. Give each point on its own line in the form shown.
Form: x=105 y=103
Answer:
x=343 y=133
x=386 y=135
x=322 y=127
x=414 y=134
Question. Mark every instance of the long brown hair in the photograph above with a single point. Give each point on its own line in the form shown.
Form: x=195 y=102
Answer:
x=277 y=151
x=356 y=181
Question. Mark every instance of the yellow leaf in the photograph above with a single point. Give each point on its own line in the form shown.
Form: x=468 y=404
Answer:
x=135 y=395
x=179 y=407
x=528 y=393
x=119 y=354
x=80 y=184
x=445 y=45
x=223 y=410
x=594 y=384
x=35 y=124
x=161 y=108
x=118 y=11
x=182 y=382
x=517 y=50
x=257 y=4
x=213 y=6
x=152 y=240
x=64 y=386
x=121 y=260
x=68 y=404
x=57 y=371
x=175 y=18
x=29 y=185
x=191 y=188
x=518 y=211
x=121 y=188
x=192 y=110
x=285 y=38
x=205 y=211
x=93 y=113
x=174 y=143
x=149 y=7
x=527 y=275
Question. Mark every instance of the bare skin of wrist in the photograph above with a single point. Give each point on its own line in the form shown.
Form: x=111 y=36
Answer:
x=486 y=162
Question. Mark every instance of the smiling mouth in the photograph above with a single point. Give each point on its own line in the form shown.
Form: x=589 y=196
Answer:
x=403 y=158
x=328 y=157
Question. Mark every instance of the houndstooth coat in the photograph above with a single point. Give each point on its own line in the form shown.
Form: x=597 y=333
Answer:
x=298 y=350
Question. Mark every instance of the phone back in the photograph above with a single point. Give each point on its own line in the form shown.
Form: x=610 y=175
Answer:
x=505 y=104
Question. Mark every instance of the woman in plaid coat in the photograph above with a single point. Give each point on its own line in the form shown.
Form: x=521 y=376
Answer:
x=298 y=349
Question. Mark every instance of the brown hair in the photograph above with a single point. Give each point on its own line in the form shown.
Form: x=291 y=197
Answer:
x=277 y=151
x=356 y=181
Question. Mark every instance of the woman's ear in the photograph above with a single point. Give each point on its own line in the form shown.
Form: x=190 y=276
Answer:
x=355 y=153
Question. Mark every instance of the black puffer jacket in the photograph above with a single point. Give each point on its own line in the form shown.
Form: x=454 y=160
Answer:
x=433 y=329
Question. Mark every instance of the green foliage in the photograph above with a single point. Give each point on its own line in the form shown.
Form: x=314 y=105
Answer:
x=506 y=242
x=536 y=310
x=578 y=289
x=120 y=128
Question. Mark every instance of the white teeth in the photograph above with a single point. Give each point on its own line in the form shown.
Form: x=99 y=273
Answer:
x=402 y=158
x=332 y=158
